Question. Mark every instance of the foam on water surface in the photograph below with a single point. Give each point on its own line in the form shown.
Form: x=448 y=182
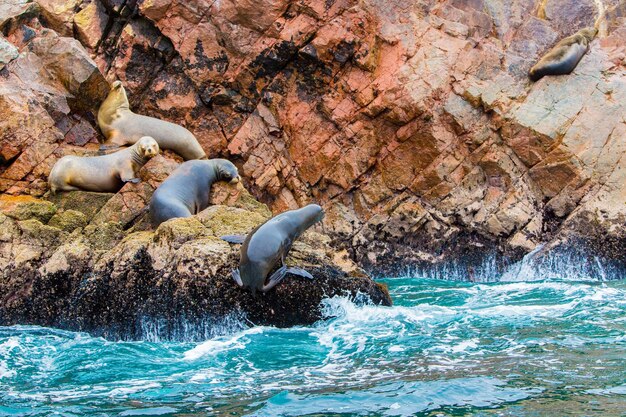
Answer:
x=445 y=348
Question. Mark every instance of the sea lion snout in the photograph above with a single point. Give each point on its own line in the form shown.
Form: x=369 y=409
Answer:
x=320 y=214
x=589 y=33
x=315 y=212
x=226 y=171
x=151 y=152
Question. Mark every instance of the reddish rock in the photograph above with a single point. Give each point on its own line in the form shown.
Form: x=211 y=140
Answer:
x=59 y=15
x=8 y=52
x=414 y=124
x=90 y=23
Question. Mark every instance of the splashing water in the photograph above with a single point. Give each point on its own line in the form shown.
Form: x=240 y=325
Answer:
x=540 y=348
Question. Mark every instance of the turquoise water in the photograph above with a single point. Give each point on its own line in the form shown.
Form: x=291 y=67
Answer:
x=545 y=348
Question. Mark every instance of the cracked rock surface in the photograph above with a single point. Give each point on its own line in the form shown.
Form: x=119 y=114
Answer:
x=413 y=123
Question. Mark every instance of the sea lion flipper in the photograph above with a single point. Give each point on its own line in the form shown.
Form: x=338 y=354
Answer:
x=239 y=239
x=237 y=277
x=134 y=180
x=300 y=272
x=275 y=278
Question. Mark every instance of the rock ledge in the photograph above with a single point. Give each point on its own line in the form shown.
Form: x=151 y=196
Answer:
x=174 y=282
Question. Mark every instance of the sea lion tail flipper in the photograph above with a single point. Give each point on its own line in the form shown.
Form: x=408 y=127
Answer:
x=275 y=278
x=239 y=239
x=237 y=277
x=300 y=272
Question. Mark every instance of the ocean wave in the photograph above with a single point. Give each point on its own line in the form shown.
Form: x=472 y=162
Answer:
x=517 y=340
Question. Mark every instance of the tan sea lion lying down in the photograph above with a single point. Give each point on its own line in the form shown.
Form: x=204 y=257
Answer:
x=564 y=56
x=106 y=173
x=123 y=127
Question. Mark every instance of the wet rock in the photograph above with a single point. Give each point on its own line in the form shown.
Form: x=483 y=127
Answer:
x=102 y=279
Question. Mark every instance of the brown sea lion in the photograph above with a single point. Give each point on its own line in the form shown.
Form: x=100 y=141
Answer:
x=123 y=127
x=564 y=56
x=106 y=173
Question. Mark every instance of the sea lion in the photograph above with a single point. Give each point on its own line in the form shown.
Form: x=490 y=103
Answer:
x=123 y=127
x=269 y=244
x=106 y=173
x=186 y=191
x=563 y=58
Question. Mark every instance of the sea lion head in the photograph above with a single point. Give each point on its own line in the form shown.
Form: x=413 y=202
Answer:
x=589 y=33
x=226 y=171
x=147 y=147
x=533 y=74
x=117 y=97
x=312 y=214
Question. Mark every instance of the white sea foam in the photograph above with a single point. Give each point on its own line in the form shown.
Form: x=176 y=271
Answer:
x=9 y=344
x=132 y=387
x=349 y=312
x=524 y=311
x=465 y=345
x=152 y=411
x=222 y=344
x=5 y=372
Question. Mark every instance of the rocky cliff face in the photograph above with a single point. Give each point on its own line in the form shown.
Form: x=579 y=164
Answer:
x=412 y=123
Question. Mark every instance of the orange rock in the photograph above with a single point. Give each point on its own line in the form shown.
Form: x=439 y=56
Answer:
x=364 y=107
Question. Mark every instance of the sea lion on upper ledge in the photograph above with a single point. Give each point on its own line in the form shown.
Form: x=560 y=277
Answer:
x=269 y=244
x=123 y=127
x=106 y=173
x=564 y=56
x=186 y=191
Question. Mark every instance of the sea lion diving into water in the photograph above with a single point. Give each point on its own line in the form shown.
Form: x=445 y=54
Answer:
x=564 y=56
x=105 y=173
x=269 y=244
x=121 y=127
x=186 y=191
